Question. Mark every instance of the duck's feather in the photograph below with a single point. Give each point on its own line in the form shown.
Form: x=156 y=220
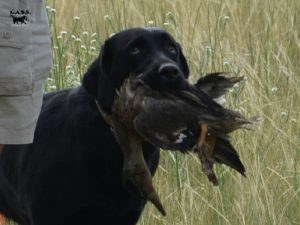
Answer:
x=217 y=84
x=167 y=124
x=225 y=153
x=171 y=120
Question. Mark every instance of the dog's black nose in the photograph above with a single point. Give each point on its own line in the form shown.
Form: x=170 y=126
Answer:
x=169 y=71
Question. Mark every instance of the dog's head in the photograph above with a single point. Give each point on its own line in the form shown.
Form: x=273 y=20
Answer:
x=150 y=52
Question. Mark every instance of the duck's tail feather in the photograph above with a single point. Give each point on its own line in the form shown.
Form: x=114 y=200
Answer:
x=225 y=153
x=217 y=84
x=252 y=122
x=233 y=120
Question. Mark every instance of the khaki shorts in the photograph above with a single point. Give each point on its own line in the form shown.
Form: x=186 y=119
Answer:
x=25 y=63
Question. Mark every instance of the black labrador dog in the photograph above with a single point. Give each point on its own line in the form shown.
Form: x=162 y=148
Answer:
x=72 y=173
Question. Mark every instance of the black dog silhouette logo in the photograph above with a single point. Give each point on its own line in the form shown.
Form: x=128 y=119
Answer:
x=20 y=16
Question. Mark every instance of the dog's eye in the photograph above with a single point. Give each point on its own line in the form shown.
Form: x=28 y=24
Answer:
x=134 y=51
x=172 y=49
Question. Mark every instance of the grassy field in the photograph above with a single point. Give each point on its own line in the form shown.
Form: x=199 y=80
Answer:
x=259 y=39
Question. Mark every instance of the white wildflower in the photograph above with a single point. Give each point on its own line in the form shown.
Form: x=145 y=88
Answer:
x=93 y=48
x=85 y=33
x=166 y=24
x=107 y=17
x=76 y=18
x=168 y=13
x=226 y=63
x=94 y=34
x=150 y=22
x=52 y=87
x=78 y=40
x=274 y=89
x=226 y=18
x=53 y=10
x=70 y=73
x=284 y=114
x=69 y=67
x=93 y=41
x=208 y=49
x=63 y=32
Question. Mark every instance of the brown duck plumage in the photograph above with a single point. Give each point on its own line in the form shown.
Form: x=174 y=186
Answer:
x=176 y=121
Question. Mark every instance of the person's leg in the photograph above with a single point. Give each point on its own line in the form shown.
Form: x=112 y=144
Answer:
x=23 y=71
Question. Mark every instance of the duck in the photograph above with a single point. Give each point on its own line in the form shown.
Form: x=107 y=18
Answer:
x=189 y=120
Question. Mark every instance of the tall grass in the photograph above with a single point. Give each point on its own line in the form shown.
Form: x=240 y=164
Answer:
x=259 y=39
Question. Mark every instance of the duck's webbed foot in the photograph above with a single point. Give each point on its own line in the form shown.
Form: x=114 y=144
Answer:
x=204 y=148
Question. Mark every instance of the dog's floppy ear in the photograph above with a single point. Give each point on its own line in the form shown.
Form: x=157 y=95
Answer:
x=96 y=80
x=183 y=63
x=90 y=78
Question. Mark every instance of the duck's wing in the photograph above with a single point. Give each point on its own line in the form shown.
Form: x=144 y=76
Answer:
x=207 y=108
x=217 y=84
x=165 y=123
x=219 y=119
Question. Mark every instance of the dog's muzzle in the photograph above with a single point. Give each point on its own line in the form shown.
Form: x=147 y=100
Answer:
x=169 y=71
x=163 y=76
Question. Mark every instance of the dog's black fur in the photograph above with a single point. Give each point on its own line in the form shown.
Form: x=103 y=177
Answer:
x=71 y=174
